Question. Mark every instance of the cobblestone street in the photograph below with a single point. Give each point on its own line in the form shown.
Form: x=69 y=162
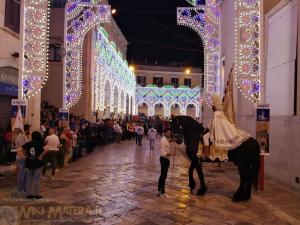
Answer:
x=117 y=184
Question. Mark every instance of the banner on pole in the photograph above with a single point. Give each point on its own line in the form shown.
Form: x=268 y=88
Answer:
x=63 y=118
x=263 y=127
x=18 y=113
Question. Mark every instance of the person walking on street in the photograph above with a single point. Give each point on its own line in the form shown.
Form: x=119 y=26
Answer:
x=52 y=146
x=152 y=136
x=118 y=132
x=165 y=154
x=140 y=133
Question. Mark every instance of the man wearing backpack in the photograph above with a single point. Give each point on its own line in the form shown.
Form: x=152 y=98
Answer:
x=152 y=135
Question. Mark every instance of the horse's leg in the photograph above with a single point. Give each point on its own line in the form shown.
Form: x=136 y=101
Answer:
x=197 y=164
x=243 y=163
x=192 y=183
x=240 y=194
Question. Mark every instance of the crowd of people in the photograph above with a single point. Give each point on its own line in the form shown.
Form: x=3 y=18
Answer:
x=57 y=145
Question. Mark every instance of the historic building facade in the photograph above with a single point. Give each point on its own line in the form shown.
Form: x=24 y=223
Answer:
x=9 y=58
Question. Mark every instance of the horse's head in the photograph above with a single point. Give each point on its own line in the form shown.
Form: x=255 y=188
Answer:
x=186 y=126
x=177 y=129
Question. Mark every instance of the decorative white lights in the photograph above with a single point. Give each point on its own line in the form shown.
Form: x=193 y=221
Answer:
x=112 y=72
x=168 y=96
x=205 y=20
x=81 y=16
x=35 y=46
x=248 y=54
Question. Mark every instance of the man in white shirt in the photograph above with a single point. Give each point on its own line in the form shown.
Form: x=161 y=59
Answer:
x=52 y=147
x=140 y=133
x=118 y=131
x=165 y=153
x=152 y=135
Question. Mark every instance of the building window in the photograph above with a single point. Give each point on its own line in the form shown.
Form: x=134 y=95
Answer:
x=55 y=52
x=188 y=82
x=12 y=15
x=158 y=81
x=141 y=80
x=174 y=81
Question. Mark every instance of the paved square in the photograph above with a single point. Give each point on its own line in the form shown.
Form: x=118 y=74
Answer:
x=117 y=184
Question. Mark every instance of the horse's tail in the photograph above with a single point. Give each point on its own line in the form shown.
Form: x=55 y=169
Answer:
x=255 y=163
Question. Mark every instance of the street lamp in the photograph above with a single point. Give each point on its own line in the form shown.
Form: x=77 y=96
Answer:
x=187 y=71
x=131 y=67
x=113 y=11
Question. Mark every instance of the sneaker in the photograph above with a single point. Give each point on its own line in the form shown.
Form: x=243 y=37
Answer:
x=163 y=195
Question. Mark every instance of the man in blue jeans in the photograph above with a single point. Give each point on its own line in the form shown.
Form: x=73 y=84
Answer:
x=33 y=153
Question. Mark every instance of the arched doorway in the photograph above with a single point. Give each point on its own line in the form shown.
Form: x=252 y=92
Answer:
x=191 y=110
x=107 y=97
x=143 y=109
x=175 y=109
x=122 y=102
x=116 y=101
x=159 y=110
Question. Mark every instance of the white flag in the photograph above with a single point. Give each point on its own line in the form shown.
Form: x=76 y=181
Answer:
x=19 y=120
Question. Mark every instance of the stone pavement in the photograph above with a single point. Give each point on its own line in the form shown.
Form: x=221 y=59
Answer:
x=117 y=184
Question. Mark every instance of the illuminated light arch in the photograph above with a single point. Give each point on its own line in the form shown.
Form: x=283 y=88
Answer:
x=81 y=17
x=180 y=108
x=197 y=108
x=115 y=97
x=139 y=103
x=107 y=92
x=111 y=66
x=164 y=111
x=167 y=95
x=34 y=50
x=205 y=20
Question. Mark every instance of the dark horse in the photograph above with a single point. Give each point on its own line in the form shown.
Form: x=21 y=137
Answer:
x=246 y=157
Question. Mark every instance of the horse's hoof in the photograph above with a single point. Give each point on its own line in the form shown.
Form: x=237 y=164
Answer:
x=202 y=191
x=240 y=198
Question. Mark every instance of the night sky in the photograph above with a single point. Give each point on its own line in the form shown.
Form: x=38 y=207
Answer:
x=153 y=35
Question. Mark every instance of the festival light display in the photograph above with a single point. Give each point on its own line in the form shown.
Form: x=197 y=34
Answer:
x=168 y=96
x=35 y=41
x=248 y=54
x=81 y=16
x=205 y=20
x=111 y=68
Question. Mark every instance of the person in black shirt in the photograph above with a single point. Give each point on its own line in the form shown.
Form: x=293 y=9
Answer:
x=33 y=154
